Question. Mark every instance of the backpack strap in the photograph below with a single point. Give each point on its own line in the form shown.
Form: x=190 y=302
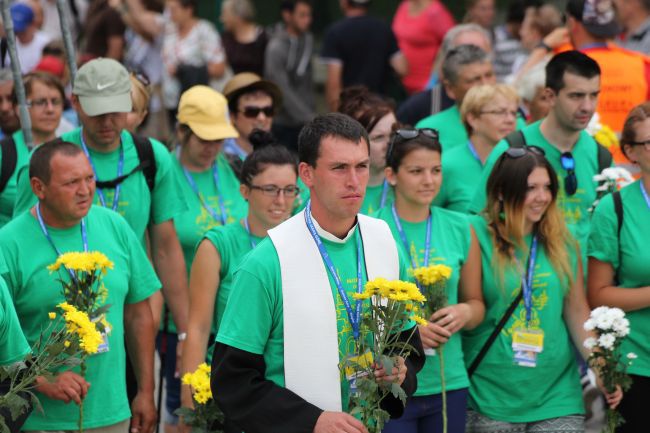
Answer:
x=9 y=160
x=516 y=139
x=147 y=159
x=604 y=157
x=618 y=209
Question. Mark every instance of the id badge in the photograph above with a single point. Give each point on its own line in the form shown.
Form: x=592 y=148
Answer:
x=355 y=364
x=526 y=344
x=104 y=346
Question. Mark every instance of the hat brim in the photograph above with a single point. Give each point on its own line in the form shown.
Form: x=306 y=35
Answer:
x=98 y=105
x=212 y=132
x=266 y=86
x=608 y=30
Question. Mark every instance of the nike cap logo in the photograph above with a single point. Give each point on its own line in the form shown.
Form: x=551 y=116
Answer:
x=101 y=87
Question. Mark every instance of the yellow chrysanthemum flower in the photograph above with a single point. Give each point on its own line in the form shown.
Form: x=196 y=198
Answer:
x=82 y=262
x=199 y=381
x=432 y=274
x=78 y=323
x=419 y=320
x=51 y=315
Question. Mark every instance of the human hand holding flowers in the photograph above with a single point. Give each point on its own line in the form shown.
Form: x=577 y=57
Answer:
x=453 y=317
x=67 y=386
x=398 y=373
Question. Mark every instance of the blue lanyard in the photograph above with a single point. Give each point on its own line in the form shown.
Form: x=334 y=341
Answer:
x=222 y=208
x=644 y=193
x=84 y=235
x=384 y=194
x=248 y=230
x=120 y=172
x=355 y=319
x=527 y=280
x=472 y=149
x=402 y=235
x=237 y=149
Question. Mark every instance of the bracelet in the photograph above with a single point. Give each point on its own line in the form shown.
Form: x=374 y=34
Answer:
x=544 y=45
x=182 y=336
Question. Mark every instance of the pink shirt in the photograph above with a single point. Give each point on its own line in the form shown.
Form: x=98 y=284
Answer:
x=419 y=38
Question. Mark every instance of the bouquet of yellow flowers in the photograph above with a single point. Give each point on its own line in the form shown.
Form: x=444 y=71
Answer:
x=60 y=346
x=205 y=417
x=432 y=280
x=86 y=295
x=393 y=305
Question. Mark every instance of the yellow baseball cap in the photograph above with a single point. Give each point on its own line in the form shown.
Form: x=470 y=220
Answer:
x=205 y=111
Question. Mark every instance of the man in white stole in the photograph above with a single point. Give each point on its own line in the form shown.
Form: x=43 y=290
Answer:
x=277 y=354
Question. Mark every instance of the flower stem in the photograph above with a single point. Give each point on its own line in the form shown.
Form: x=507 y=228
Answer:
x=81 y=405
x=444 y=390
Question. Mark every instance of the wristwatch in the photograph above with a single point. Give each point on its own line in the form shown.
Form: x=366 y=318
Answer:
x=542 y=44
x=182 y=336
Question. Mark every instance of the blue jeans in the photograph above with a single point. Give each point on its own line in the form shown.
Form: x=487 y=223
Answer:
x=172 y=383
x=424 y=414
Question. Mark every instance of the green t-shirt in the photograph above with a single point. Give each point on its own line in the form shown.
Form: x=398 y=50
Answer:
x=8 y=195
x=13 y=345
x=575 y=207
x=629 y=255
x=450 y=127
x=372 y=199
x=233 y=242
x=450 y=243
x=36 y=292
x=501 y=389
x=303 y=197
x=192 y=224
x=136 y=204
x=461 y=172
x=256 y=298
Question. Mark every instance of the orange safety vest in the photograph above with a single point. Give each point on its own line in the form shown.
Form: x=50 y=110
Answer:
x=623 y=82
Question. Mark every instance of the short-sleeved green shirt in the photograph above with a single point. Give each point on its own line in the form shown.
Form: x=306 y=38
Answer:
x=450 y=243
x=233 y=242
x=450 y=127
x=136 y=204
x=253 y=319
x=575 y=207
x=372 y=199
x=192 y=224
x=629 y=255
x=8 y=195
x=461 y=173
x=501 y=389
x=36 y=292
x=13 y=345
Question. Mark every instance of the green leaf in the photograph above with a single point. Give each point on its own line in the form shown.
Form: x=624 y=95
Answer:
x=398 y=392
x=16 y=404
x=387 y=363
x=3 y=425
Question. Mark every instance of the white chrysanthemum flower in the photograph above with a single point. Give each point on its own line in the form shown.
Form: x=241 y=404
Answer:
x=590 y=343
x=621 y=326
x=606 y=341
x=589 y=325
x=604 y=321
x=617 y=313
x=632 y=355
x=597 y=312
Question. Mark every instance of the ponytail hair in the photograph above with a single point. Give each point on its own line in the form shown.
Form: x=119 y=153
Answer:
x=266 y=151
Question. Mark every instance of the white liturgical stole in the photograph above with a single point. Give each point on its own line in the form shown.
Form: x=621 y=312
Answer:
x=311 y=351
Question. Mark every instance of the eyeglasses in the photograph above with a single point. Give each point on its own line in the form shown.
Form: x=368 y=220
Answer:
x=274 y=190
x=410 y=134
x=253 y=112
x=142 y=77
x=43 y=102
x=570 y=180
x=645 y=144
x=501 y=113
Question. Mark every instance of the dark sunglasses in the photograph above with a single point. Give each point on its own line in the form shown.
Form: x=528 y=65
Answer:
x=141 y=77
x=253 y=112
x=518 y=152
x=410 y=134
x=570 y=180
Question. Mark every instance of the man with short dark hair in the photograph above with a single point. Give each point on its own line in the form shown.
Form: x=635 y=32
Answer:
x=281 y=374
x=626 y=75
x=9 y=121
x=464 y=67
x=572 y=86
x=359 y=49
x=288 y=64
x=64 y=220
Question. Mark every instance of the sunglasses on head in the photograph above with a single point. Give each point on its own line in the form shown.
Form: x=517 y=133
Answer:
x=253 y=112
x=570 y=180
x=410 y=134
x=141 y=77
x=518 y=152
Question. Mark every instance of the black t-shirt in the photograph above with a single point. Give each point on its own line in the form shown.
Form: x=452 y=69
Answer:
x=102 y=23
x=248 y=57
x=364 y=45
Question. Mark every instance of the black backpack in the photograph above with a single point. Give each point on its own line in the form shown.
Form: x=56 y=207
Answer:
x=147 y=165
x=9 y=160
x=517 y=139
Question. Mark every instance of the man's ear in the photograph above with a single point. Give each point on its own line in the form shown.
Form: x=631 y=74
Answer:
x=449 y=88
x=38 y=187
x=306 y=173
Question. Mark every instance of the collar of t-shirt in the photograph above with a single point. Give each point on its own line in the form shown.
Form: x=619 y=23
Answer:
x=640 y=33
x=329 y=236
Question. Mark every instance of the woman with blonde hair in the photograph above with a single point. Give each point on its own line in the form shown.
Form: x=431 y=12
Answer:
x=489 y=113
x=523 y=372
x=140 y=95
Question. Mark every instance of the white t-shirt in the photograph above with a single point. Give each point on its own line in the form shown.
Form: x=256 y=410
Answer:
x=30 y=54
